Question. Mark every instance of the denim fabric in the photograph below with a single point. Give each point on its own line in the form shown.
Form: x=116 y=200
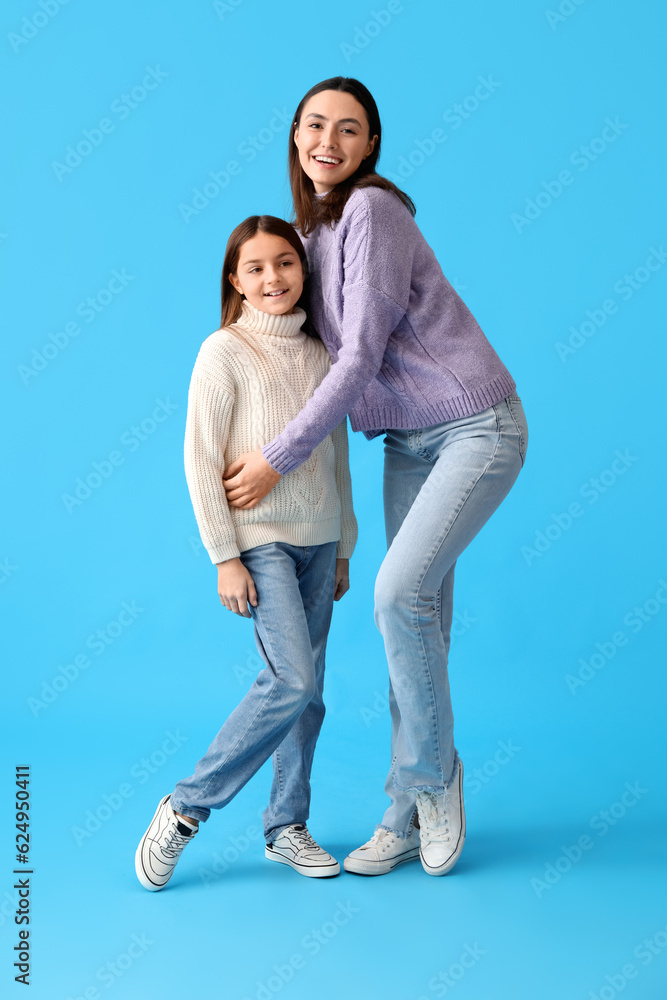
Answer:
x=441 y=484
x=283 y=711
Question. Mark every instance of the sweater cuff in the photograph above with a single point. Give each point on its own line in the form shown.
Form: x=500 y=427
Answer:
x=278 y=458
x=344 y=549
x=223 y=551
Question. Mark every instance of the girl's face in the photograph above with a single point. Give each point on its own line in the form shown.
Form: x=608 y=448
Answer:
x=269 y=273
x=332 y=138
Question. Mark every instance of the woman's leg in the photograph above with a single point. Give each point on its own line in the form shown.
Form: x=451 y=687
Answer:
x=277 y=697
x=293 y=759
x=473 y=463
x=411 y=470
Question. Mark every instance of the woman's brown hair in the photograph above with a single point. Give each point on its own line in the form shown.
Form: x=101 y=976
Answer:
x=309 y=211
x=231 y=301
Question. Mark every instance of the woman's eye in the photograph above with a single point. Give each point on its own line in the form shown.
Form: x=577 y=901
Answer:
x=287 y=263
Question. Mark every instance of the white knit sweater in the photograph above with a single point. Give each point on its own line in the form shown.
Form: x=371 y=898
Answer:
x=250 y=379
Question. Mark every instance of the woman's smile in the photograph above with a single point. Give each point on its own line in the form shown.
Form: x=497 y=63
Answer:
x=327 y=161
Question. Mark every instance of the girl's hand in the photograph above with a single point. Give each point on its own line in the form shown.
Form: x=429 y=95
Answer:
x=236 y=587
x=249 y=479
x=342 y=578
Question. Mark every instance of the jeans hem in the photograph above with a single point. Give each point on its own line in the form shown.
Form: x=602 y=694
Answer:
x=401 y=834
x=193 y=812
x=270 y=837
x=435 y=789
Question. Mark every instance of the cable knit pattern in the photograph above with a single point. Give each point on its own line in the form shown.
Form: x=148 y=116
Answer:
x=249 y=380
x=407 y=351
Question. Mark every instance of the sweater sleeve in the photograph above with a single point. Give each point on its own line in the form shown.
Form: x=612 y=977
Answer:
x=378 y=262
x=206 y=430
x=348 y=522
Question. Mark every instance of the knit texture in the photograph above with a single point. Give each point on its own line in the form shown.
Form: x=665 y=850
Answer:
x=407 y=351
x=249 y=380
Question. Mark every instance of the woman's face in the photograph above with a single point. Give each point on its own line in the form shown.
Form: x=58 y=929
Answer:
x=332 y=138
x=269 y=273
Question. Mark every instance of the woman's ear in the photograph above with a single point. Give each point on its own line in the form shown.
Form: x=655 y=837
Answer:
x=371 y=144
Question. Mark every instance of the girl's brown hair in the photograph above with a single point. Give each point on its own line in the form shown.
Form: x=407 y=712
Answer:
x=310 y=211
x=231 y=301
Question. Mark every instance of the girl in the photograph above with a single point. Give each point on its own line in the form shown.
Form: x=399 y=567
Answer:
x=287 y=558
x=410 y=362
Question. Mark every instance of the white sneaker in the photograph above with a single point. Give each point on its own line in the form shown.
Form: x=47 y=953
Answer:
x=161 y=846
x=383 y=852
x=442 y=824
x=295 y=847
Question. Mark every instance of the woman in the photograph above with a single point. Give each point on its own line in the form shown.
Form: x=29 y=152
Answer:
x=409 y=362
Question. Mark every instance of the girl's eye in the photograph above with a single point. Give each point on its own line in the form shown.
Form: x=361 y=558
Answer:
x=287 y=263
x=253 y=269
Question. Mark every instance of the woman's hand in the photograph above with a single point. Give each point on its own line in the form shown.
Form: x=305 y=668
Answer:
x=249 y=479
x=236 y=587
x=342 y=578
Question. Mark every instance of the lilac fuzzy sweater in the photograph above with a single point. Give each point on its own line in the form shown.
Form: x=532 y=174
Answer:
x=407 y=351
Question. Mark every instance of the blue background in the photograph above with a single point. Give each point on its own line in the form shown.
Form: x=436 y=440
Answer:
x=535 y=591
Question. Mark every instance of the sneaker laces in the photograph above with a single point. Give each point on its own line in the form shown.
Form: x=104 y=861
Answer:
x=174 y=843
x=433 y=818
x=301 y=834
x=379 y=839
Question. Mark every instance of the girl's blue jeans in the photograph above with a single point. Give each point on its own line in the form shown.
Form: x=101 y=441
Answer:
x=282 y=712
x=441 y=484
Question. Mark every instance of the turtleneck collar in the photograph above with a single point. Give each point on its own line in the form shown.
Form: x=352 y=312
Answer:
x=286 y=325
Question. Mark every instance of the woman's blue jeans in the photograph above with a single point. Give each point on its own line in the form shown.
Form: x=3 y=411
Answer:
x=282 y=712
x=441 y=484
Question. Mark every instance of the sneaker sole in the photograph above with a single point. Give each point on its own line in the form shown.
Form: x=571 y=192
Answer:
x=449 y=864
x=142 y=875
x=311 y=871
x=359 y=867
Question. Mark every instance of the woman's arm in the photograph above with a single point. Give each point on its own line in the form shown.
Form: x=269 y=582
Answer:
x=369 y=318
x=378 y=250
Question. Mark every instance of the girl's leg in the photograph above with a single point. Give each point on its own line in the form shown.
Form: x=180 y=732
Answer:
x=293 y=759
x=277 y=697
x=473 y=464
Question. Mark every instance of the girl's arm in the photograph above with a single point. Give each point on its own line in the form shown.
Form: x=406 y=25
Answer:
x=206 y=430
x=379 y=248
